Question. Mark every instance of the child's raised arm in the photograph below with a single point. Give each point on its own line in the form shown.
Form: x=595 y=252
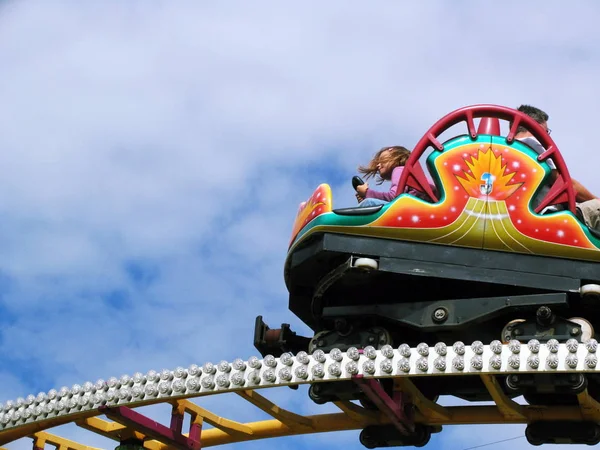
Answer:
x=391 y=194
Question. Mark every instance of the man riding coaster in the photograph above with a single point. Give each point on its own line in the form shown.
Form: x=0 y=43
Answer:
x=588 y=205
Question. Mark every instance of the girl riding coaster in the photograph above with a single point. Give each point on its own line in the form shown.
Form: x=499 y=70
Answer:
x=388 y=164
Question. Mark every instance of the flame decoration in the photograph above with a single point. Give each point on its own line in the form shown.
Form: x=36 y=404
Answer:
x=488 y=178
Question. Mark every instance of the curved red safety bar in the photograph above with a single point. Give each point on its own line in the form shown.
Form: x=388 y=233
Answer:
x=413 y=175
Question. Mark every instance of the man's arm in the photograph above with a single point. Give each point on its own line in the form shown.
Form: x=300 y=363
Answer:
x=581 y=193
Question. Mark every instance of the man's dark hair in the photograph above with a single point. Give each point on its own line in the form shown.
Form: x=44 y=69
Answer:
x=535 y=113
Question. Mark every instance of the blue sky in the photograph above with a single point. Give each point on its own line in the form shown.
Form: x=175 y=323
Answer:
x=154 y=155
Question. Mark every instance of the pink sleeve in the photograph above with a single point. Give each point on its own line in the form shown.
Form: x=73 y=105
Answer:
x=391 y=194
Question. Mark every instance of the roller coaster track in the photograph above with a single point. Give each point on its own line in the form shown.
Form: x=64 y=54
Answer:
x=112 y=408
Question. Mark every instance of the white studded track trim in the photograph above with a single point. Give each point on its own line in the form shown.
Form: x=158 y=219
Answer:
x=255 y=373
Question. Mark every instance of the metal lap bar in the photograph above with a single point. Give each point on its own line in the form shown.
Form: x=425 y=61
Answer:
x=391 y=407
x=155 y=430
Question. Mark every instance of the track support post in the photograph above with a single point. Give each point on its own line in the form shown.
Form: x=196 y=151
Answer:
x=168 y=435
x=396 y=408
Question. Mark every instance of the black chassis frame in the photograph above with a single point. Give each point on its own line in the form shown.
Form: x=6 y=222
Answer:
x=474 y=288
x=480 y=290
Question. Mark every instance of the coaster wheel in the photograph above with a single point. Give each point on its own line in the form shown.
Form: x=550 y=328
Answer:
x=413 y=176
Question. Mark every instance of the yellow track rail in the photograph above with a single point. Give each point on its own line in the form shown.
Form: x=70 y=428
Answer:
x=34 y=417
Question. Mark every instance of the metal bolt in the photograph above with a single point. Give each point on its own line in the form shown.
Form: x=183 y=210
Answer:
x=320 y=343
x=440 y=314
x=544 y=313
x=573 y=378
x=507 y=337
x=514 y=378
x=574 y=331
x=371 y=339
x=340 y=324
x=517 y=332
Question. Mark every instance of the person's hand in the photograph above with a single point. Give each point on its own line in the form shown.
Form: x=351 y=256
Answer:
x=359 y=198
x=362 y=190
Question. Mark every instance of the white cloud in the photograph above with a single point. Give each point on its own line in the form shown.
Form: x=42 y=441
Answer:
x=181 y=138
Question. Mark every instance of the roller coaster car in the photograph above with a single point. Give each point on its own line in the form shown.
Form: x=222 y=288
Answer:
x=496 y=252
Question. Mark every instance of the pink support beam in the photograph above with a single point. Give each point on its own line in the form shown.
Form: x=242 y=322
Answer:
x=176 y=420
x=148 y=427
x=394 y=407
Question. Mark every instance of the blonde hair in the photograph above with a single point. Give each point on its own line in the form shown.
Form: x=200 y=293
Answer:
x=398 y=155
